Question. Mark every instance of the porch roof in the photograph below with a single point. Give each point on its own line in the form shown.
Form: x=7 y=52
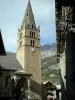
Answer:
x=22 y=73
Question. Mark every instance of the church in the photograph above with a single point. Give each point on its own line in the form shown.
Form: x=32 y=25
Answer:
x=22 y=70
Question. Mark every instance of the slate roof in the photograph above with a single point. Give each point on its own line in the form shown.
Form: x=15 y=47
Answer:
x=2 y=49
x=9 y=62
x=22 y=73
x=36 y=87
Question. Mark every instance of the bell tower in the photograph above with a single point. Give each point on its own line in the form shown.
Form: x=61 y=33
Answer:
x=28 y=45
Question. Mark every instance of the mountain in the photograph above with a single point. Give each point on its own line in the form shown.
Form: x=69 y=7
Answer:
x=48 y=50
x=50 y=68
x=49 y=46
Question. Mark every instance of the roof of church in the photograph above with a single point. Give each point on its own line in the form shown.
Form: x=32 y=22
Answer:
x=10 y=62
x=22 y=73
x=36 y=87
x=2 y=49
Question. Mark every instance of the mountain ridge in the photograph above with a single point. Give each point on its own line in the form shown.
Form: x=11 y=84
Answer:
x=50 y=68
x=48 y=50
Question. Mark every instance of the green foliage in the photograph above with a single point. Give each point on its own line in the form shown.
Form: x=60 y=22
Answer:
x=50 y=61
x=48 y=70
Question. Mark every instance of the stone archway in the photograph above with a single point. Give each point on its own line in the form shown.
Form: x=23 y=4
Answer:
x=22 y=82
x=20 y=88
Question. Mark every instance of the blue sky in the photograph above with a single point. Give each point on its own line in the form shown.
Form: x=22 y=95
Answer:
x=11 y=16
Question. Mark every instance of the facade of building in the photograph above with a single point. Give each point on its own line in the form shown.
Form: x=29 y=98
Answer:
x=50 y=90
x=22 y=69
x=65 y=33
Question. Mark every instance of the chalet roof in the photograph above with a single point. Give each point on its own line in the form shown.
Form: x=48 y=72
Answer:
x=9 y=62
x=48 y=83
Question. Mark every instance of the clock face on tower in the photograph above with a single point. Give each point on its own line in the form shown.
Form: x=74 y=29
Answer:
x=33 y=49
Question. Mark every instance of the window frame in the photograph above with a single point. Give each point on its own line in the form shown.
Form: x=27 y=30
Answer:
x=34 y=34
x=31 y=42
x=30 y=34
x=32 y=26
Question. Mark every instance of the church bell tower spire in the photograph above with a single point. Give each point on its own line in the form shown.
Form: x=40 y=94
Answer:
x=28 y=19
x=28 y=46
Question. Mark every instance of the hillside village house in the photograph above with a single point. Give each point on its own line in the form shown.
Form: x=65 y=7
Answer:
x=51 y=90
x=22 y=69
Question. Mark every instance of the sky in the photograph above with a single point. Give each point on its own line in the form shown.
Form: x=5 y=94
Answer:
x=11 y=17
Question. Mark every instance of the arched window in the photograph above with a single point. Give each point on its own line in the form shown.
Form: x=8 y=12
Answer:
x=32 y=25
x=28 y=26
x=6 y=81
x=12 y=83
x=30 y=34
x=34 y=34
x=31 y=42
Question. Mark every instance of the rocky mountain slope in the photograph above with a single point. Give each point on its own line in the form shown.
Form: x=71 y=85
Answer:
x=50 y=68
x=48 y=50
